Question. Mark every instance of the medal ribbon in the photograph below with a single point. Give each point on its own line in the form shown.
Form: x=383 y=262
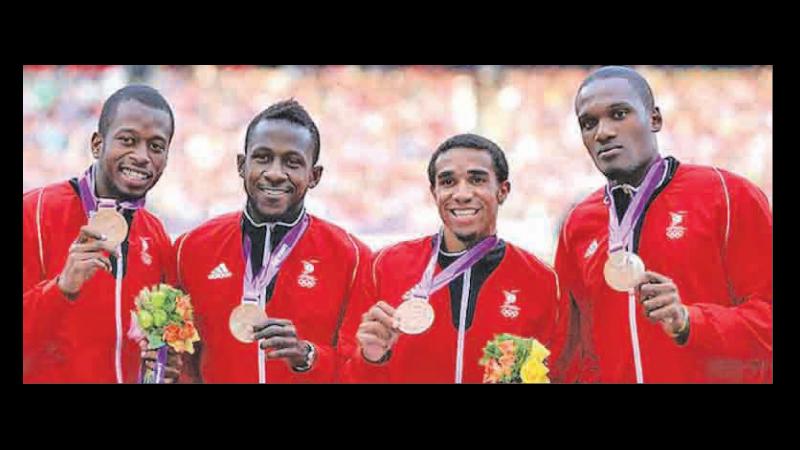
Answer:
x=428 y=285
x=255 y=284
x=90 y=201
x=620 y=232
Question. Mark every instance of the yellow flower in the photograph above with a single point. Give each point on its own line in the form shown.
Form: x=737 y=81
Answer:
x=538 y=351
x=534 y=371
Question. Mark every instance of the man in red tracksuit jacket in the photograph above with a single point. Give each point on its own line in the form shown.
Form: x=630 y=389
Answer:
x=306 y=299
x=703 y=310
x=507 y=290
x=74 y=326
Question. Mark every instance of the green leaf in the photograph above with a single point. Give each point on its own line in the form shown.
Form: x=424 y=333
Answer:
x=154 y=341
x=169 y=305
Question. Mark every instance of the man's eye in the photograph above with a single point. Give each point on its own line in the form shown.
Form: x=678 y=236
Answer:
x=126 y=140
x=619 y=114
x=588 y=124
x=446 y=182
x=157 y=147
x=478 y=180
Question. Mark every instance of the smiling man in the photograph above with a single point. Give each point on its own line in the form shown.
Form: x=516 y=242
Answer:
x=270 y=283
x=429 y=306
x=79 y=285
x=668 y=268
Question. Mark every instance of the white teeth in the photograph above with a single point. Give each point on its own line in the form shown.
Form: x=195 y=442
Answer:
x=464 y=212
x=273 y=190
x=133 y=174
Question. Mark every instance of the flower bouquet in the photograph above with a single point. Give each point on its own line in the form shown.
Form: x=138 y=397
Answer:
x=513 y=359
x=163 y=319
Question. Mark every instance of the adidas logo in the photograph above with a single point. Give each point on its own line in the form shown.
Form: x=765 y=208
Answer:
x=220 y=272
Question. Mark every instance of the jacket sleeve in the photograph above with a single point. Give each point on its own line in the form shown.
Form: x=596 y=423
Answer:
x=740 y=327
x=167 y=255
x=327 y=362
x=354 y=368
x=43 y=304
x=173 y=271
x=574 y=356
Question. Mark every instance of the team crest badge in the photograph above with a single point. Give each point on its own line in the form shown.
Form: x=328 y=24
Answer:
x=305 y=279
x=675 y=230
x=509 y=309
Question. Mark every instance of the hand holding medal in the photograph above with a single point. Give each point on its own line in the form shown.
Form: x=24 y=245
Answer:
x=378 y=333
x=85 y=256
x=661 y=302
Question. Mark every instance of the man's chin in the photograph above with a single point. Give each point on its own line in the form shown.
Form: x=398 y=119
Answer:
x=615 y=172
x=466 y=237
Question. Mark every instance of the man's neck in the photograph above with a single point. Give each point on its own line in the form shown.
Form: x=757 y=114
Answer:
x=636 y=177
x=101 y=188
x=288 y=219
x=453 y=244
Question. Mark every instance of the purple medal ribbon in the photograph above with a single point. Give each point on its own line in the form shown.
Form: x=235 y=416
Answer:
x=429 y=284
x=90 y=202
x=255 y=284
x=620 y=233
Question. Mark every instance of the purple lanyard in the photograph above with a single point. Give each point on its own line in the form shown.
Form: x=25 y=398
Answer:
x=620 y=233
x=255 y=284
x=429 y=284
x=90 y=202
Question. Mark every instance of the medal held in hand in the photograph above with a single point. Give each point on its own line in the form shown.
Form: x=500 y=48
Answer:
x=242 y=320
x=414 y=316
x=622 y=270
x=110 y=223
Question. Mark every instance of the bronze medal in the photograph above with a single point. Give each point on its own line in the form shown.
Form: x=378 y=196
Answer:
x=110 y=223
x=414 y=316
x=622 y=270
x=242 y=319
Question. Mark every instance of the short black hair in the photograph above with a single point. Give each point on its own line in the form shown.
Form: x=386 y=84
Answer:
x=475 y=142
x=638 y=82
x=291 y=111
x=145 y=95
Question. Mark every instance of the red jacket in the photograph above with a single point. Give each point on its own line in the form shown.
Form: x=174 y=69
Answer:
x=520 y=282
x=708 y=230
x=67 y=341
x=311 y=289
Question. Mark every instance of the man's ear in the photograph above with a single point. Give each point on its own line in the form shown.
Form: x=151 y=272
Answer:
x=656 y=120
x=240 y=158
x=502 y=193
x=316 y=176
x=97 y=145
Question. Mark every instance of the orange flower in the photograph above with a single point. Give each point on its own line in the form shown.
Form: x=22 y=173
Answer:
x=493 y=372
x=507 y=347
x=183 y=303
x=187 y=331
x=172 y=333
x=507 y=360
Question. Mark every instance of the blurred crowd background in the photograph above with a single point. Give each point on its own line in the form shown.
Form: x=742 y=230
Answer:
x=379 y=126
